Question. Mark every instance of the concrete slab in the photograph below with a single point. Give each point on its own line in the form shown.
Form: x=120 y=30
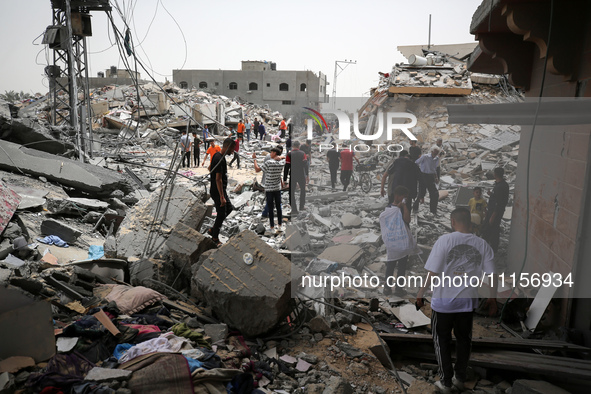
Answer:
x=342 y=254
x=217 y=332
x=349 y=220
x=186 y=246
x=62 y=230
x=147 y=225
x=84 y=177
x=26 y=326
x=247 y=284
x=9 y=201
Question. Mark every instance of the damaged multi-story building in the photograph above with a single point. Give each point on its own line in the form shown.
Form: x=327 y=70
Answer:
x=261 y=83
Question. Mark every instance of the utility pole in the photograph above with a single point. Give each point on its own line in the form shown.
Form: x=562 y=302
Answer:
x=69 y=71
x=337 y=64
x=429 y=42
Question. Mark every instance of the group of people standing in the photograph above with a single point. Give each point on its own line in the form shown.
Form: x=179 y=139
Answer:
x=461 y=253
x=344 y=159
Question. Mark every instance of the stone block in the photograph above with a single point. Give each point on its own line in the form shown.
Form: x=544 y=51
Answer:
x=247 y=284
x=337 y=385
x=217 y=332
x=54 y=227
x=185 y=245
x=147 y=225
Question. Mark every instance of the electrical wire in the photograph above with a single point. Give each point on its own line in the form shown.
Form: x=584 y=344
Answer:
x=529 y=149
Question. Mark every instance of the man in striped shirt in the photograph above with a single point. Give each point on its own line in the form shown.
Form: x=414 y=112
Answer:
x=273 y=184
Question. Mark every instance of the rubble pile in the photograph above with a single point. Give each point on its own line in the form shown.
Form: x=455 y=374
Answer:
x=114 y=286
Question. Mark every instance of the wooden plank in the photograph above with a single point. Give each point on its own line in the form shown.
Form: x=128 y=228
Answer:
x=551 y=366
x=513 y=343
x=430 y=90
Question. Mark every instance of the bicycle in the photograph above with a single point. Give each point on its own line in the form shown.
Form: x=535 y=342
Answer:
x=364 y=180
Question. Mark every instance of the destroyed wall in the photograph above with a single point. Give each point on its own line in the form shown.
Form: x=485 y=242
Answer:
x=559 y=165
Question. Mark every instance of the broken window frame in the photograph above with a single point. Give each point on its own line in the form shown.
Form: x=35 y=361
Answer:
x=233 y=86
x=202 y=85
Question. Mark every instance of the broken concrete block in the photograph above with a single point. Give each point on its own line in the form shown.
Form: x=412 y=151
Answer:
x=295 y=239
x=9 y=200
x=151 y=272
x=73 y=173
x=349 y=220
x=98 y=374
x=343 y=254
x=318 y=324
x=147 y=225
x=336 y=384
x=198 y=211
x=421 y=387
x=217 y=332
x=26 y=326
x=54 y=227
x=247 y=284
x=186 y=245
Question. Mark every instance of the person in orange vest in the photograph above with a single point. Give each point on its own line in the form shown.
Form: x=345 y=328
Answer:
x=240 y=131
x=283 y=128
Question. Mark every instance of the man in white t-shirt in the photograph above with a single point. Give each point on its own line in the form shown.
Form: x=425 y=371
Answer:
x=464 y=257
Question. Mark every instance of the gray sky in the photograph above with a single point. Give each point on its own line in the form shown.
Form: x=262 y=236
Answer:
x=302 y=35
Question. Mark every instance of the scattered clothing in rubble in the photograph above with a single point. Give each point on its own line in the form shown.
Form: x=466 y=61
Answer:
x=54 y=240
x=160 y=373
x=62 y=370
x=183 y=330
x=213 y=381
x=166 y=343
x=95 y=252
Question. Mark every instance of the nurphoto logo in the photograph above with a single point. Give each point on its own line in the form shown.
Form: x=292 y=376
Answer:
x=402 y=121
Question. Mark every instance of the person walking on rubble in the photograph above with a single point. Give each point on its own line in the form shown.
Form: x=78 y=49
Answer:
x=459 y=254
x=256 y=128
x=298 y=177
x=347 y=157
x=401 y=172
x=240 y=131
x=185 y=143
x=273 y=185
x=400 y=244
x=282 y=128
x=414 y=151
x=206 y=137
x=236 y=152
x=262 y=131
x=247 y=125
x=428 y=165
x=196 y=149
x=334 y=159
x=439 y=144
x=498 y=200
x=218 y=188
x=212 y=150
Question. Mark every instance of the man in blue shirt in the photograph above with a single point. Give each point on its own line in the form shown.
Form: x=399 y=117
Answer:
x=428 y=165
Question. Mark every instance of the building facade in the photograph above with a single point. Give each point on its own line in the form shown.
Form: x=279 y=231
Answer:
x=552 y=209
x=260 y=83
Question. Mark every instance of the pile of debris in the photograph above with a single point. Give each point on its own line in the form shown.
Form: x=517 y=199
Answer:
x=111 y=285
